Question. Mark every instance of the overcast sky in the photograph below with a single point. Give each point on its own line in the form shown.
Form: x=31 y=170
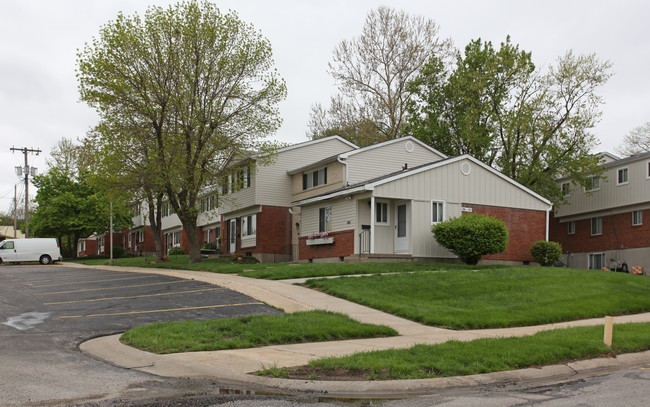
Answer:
x=39 y=101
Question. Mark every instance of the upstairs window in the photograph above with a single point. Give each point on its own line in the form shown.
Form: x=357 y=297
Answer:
x=593 y=184
x=240 y=179
x=622 y=176
x=314 y=178
x=566 y=189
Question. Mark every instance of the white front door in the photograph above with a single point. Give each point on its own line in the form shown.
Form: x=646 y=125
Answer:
x=232 y=235
x=402 y=227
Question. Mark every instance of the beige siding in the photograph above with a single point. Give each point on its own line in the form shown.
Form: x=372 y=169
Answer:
x=271 y=185
x=372 y=163
x=447 y=183
x=335 y=180
x=610 y=195
x=422 y=242
x=344 y=216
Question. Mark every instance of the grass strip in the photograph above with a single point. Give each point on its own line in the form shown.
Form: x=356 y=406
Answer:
x=279 y=271
x=250 y=332
x=484 y=355
x=496 y=298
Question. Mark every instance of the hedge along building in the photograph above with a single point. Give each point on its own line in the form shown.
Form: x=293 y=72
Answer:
x=391 y=216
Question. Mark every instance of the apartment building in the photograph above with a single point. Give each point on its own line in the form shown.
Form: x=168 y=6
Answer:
x=607 y=223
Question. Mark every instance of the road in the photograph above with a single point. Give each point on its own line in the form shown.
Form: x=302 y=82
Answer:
x=47 y=311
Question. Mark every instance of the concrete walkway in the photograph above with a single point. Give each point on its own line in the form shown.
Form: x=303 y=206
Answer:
x=233 y=366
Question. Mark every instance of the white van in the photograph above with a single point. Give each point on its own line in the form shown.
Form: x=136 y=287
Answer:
x=45 y=251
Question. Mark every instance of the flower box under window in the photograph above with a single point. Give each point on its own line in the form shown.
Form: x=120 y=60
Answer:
x=320 y=240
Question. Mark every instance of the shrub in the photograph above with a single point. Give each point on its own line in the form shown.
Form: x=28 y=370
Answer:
x=118 y=251
x=546 y=253
x=209 y=246
x=471 y=236
x=175 y=251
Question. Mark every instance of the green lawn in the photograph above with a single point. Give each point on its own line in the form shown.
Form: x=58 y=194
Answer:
x=480 y=356
x=250 y=332
x=279 y=271
x=494 y=298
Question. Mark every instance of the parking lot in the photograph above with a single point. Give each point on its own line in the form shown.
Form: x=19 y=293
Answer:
x=100 y=300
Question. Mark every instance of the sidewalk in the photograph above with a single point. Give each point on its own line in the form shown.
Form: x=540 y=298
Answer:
x=233 y=366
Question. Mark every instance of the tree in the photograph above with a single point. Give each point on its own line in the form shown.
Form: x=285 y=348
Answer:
x=636 y=142
x=472 y=236
x=70 y=209
x=495 y=105
x=371 y=72
x=186 y=92
x=546 y=253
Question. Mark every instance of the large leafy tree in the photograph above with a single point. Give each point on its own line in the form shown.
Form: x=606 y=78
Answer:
x=371 y=72
x=182 y=93
x=69 y=209
x=496 y=105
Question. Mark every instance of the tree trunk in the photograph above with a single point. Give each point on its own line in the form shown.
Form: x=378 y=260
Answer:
x=189 y=224
x=155 y=220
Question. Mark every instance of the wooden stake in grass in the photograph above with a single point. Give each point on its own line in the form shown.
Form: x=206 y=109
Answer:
x=609 y=329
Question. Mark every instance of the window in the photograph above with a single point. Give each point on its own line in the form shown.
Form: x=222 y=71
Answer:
x=571 y=227
x=8 y=245
x=622 y=176
x=314 y=179
x=596 y=226
x=239 y=180
x=249 y=225
x=637 y=218
x=325 y=219
x=381 y=213
x=597 y=261
x=593 y=184
x=437 y=211
x=164 y=209
x=209 y=203
x=566 y=189
x=177 y=238
x=647 y=165
x=136 y=209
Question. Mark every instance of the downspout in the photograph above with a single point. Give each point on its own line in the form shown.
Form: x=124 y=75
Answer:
x=345 y=164
x=548 y=212
x=372 y=225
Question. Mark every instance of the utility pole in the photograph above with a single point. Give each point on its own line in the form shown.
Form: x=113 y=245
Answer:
x=26 y=150
x=15 y=210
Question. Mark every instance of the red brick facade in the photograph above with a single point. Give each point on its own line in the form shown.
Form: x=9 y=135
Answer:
x=525 y=227
x=617 y=233
x=343 y=246
x=273 y=234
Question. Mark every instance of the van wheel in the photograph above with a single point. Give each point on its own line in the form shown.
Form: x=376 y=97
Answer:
x=45 y=259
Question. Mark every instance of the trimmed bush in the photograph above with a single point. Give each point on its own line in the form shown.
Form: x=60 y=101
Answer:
x=241 y=259
x=546 y=253
x=175 y=251
x=471 y=236
x=118 y=251
x=209 y=246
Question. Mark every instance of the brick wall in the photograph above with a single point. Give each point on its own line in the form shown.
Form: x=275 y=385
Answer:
x=525 y=227
x=273 y=234
x=343 y=246
x=617 y=233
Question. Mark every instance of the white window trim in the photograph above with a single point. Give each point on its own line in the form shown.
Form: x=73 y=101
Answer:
x=568 y=194
x=594 y=189
x=592 y=226
x=640 y=217
x=244 y=230
x=444 y=210
x=377 y=202
x=569 y=232
x=628 y=176
x=590 y=256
